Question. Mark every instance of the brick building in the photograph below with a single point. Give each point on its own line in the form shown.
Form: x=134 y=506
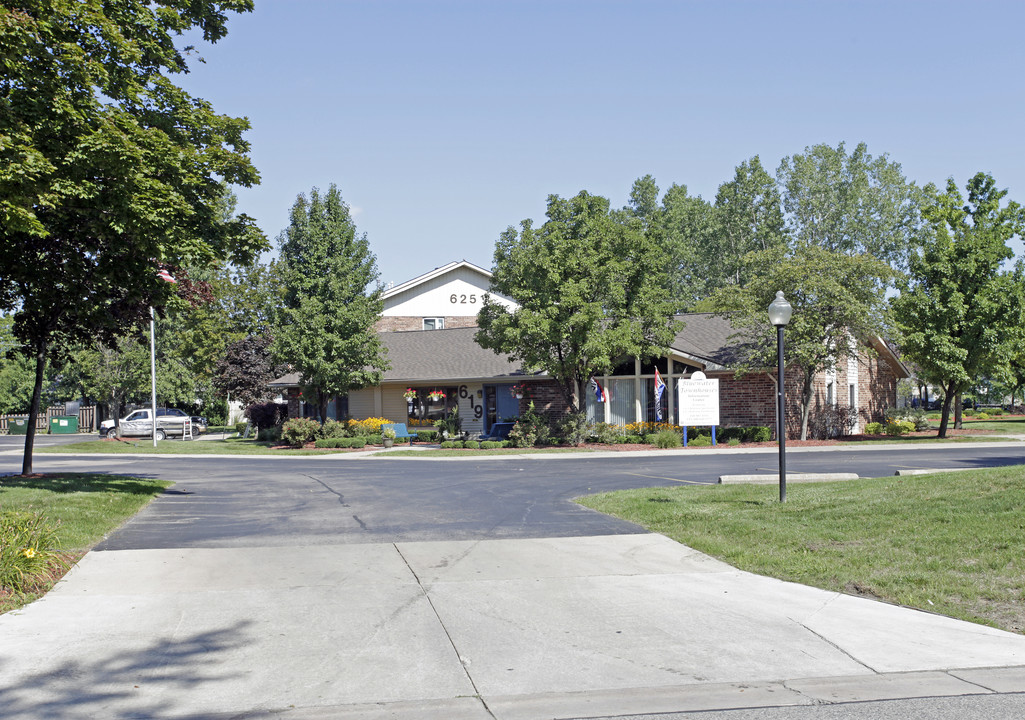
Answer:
x=428 y=328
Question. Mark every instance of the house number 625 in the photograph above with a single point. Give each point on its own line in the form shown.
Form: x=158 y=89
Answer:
x=462 y=299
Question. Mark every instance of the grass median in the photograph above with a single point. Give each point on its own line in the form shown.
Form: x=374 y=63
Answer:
x=79 y=508
x=951 y=543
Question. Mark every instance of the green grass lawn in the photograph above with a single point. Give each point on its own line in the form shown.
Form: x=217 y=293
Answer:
x=950 y=543
x=85 y=507
x=1014 y=425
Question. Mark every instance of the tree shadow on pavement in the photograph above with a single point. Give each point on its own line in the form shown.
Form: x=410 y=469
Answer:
x=148 y=682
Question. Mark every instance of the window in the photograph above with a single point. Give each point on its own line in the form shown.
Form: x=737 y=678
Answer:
x=434 y=323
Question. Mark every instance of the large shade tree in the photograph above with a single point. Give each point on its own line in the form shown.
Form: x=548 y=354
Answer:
x=838 y=301
x=108 y=170
x=591 y=287
x=329 y=300
x=960 y=314
x=851 y=203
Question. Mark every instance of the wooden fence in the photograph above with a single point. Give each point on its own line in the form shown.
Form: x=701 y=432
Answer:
x=86 y=419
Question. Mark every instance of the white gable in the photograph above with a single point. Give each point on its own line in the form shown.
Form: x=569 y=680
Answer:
x=456 y=289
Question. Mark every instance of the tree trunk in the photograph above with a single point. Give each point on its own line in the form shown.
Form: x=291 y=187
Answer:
x=957 y=412
x=322 y=406
x=807 y=392
x=948 y=396
x=33 y=414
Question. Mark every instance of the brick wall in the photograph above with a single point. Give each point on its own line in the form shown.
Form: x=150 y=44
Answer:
x=750 y=400
x=547 y=397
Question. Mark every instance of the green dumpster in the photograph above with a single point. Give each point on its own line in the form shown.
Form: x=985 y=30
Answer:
x=17 y=426
x=63 y=424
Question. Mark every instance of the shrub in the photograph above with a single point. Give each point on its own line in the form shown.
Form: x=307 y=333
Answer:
x=367 y=427
x=265 y=415
x=899 y=427
x=451 y=424
x=523 y=434
x=471 y=444
x=374 y=439
x=271 y=434
x=341 y=442
x=240 y=427
x=299 y=431
x=758 y=433
x=982 y=416
x=607 y=433
x=451 y=444
x=28 y=550
x=874 y=428
x=333 y=429
x=493 y=444
x=700 y=441
x=733 y=441
x=633 y=439
x=573 y=429
x=426 y=434
x=667 y=439
x=531 y=428
x=918 y=418
x=830 y=422
x=997 y=411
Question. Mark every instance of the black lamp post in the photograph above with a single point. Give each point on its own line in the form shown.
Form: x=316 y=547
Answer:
x=779 y=315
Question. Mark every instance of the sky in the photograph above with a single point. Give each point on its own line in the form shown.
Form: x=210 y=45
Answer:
x=444 y=122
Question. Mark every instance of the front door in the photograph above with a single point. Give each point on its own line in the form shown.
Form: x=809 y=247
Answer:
x=499 y=405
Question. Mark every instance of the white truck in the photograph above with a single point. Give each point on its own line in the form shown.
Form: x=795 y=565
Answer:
x=170 y=423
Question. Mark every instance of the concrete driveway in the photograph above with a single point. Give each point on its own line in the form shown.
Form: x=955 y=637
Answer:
x=602 y=625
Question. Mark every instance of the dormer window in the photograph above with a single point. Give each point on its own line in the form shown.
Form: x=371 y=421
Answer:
x=434 y=323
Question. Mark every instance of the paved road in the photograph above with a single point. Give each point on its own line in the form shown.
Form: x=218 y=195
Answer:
x=217 y=502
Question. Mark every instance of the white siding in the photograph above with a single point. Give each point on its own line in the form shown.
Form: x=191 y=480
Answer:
x=434 y=298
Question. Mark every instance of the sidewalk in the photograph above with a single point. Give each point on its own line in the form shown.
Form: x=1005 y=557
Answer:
x=465 y=630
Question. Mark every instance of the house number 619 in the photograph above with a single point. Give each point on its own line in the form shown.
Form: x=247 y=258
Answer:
x=462 y=299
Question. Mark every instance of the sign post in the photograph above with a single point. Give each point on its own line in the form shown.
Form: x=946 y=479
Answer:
x=698 y=400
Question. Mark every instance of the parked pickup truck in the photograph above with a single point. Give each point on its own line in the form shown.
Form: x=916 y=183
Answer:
x=170 y=423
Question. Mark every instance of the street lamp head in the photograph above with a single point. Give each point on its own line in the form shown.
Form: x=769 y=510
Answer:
x=780 y=310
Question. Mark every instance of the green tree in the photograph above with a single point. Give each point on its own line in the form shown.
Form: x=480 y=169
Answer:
x=837 y=300
x=679 y=225
x=592 y=289
x=108 y=170
x=325 y=329
x=16 y=375
x=852 y=203
x=960 y=315
x=245 y=371
x=748 y=218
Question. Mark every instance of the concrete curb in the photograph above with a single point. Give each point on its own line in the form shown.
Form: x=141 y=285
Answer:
x=791 y=477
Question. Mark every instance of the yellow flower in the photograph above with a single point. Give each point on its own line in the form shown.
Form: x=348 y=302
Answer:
x=29 y=552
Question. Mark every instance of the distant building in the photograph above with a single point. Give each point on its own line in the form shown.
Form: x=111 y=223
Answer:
x=428 y=327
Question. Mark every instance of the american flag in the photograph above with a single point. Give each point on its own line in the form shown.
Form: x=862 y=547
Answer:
x=599 y=391
x=164 y=275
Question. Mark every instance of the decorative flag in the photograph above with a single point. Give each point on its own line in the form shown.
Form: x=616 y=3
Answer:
x=164 y=275
x=599 y=392
x=660 y=387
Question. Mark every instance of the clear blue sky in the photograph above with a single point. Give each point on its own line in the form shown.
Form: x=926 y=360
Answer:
x=444 y=122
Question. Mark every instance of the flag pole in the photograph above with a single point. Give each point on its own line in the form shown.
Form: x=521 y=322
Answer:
x=153 y=372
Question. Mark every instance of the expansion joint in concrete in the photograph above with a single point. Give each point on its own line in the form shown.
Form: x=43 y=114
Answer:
x=451 y=641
